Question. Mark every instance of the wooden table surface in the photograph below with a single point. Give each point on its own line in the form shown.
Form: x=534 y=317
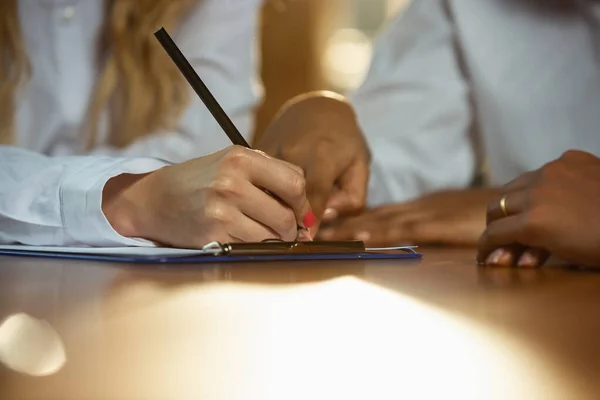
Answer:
x=437 y=328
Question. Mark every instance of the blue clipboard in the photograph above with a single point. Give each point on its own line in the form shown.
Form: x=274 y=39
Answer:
x=229 y=253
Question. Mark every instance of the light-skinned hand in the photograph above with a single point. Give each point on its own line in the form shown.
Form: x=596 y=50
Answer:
x=220 y=197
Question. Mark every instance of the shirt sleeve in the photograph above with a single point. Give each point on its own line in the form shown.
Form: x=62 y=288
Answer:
x=414 y=108
x=220 y=40
x=57 y=201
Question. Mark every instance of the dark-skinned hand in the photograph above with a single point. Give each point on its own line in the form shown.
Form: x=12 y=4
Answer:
x=319 y=133
x=552 y=211
x=454 y=217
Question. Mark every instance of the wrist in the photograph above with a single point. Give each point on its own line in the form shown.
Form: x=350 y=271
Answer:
x=322 y=102
x=123 y=199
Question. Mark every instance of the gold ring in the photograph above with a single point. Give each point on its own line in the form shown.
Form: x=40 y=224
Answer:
x=503 y=206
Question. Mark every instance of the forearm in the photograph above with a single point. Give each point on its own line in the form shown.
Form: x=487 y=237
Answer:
x=321 y=106
x=58 y=201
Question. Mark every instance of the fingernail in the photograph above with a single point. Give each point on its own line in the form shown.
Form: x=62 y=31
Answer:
x=330 y=214
x=309 y=219
x=496 y=257
x=527 y=260
x=363 y=236
x=304 y=236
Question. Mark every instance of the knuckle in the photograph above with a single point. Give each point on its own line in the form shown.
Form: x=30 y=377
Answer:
x=356 y=202
x=215 y=211
x=571 y=155
x=298 y=169
x=237 y=158
x=551 y=170
x=262 y=153
x=535 y=196
x=224 y=185
x=297 y=186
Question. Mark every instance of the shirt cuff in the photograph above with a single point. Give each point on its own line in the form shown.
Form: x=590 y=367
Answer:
x=81 y=200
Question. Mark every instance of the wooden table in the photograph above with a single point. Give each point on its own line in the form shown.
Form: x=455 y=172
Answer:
x=438 y=328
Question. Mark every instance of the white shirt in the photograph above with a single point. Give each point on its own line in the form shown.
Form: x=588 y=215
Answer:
x=522 y=76
x=57 y=200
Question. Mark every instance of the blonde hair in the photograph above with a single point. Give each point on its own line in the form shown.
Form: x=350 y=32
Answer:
x=138 y=85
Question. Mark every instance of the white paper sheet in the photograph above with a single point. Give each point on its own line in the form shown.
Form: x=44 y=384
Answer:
x=110 y=251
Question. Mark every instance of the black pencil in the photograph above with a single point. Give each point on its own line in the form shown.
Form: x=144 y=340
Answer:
x=205 y=95
x=200 y=88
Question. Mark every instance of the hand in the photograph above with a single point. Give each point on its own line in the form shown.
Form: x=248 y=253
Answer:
x=319 y=133
x=450 y=217
x=219 y=197
x=554 y=210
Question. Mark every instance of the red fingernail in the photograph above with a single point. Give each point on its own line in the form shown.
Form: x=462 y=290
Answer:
x=309 y=219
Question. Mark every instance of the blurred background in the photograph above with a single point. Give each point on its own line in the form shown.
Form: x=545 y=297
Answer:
x=317 y=44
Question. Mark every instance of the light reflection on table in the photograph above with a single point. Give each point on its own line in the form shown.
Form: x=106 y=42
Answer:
x=438 y=329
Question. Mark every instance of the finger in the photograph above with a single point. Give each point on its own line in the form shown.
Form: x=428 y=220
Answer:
x=401 y=212
x=286 y=163
x=516 y=197
x=522 y=182
x=514 y=204
x=245 y=229
x=384 y=227
x=533 y=257
x=448 y=230
x=500 y=233
x=352 y=189
x=285 y=183
x=330 y=214
x=294 y=167
x=335 y=234
x=372 y=231
x=321 y=178
x=340 y=231
x=506 y=256
x=266 y=210
x=431 y=228
x=356 y=228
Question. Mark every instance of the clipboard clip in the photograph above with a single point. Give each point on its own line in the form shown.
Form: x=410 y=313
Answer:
x=275 y=247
